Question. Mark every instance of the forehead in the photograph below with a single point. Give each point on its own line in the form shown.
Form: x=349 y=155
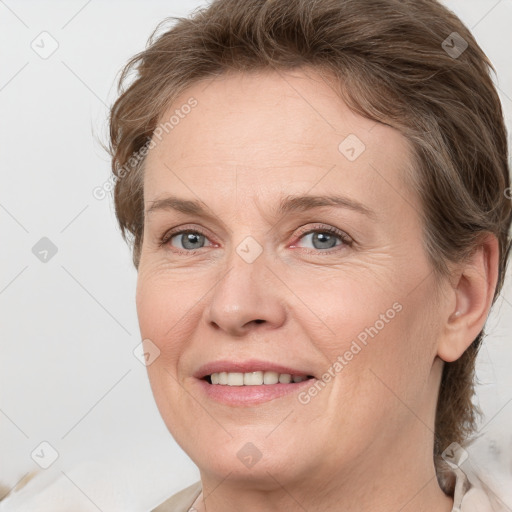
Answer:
x=273 y=130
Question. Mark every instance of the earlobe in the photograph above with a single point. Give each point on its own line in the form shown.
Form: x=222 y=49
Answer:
x=474 y=292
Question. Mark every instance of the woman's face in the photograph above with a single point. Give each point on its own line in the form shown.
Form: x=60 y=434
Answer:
x=273 y=275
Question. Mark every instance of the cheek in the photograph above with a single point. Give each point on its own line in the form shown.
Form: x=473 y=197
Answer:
x=341 y=308
x=166 y=310
x=379 y=329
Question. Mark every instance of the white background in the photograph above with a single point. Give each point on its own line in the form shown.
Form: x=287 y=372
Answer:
x=68 y=375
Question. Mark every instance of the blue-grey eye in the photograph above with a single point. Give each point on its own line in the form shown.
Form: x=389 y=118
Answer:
x=189 y=240
x=322 y=240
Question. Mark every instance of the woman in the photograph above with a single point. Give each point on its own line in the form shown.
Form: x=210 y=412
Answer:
x=316 y=193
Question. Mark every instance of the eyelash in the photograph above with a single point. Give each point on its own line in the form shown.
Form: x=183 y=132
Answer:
x=170 y=234
x=347 y=241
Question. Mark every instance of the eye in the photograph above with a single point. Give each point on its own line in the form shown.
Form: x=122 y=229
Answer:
x=325 y=237
x=186 y=240
x=318 y=238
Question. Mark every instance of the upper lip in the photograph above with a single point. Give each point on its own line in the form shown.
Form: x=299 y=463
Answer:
x=247 y=366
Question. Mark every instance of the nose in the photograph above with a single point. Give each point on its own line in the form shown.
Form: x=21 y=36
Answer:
x=246 y=297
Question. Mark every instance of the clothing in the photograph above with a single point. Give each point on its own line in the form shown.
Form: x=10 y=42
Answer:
x=181 y=501
x=469 y=496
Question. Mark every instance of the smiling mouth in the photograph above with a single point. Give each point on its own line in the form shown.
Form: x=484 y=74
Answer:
x=257 y=378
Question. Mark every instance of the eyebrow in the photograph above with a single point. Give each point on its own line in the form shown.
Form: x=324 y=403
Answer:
x=307 y=202
x=286 y=204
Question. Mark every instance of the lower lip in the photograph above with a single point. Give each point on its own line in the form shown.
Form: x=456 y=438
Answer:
x=251 y=395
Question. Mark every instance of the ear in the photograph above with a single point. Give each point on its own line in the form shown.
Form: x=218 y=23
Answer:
x=473 y=287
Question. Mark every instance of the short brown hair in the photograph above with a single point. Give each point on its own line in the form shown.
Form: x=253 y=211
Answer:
x=394 y=62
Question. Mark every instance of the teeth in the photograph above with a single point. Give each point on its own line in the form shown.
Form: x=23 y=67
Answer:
x=254 y=378
x=235 y=379
x=270 y=378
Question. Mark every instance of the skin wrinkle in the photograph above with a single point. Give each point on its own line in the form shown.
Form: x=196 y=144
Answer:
x=348 y=442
